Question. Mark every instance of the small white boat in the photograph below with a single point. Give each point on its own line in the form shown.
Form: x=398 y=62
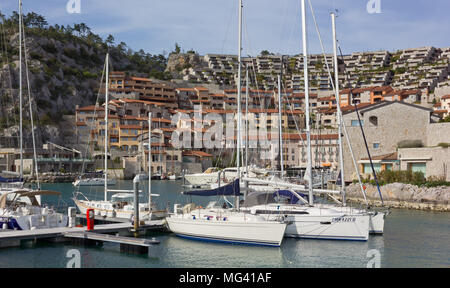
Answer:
x=19 y=214
x=211 y=176
x=120 y=206
x=98 y=181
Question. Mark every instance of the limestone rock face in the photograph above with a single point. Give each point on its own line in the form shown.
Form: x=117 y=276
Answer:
x=405 y=196
x=181 y=61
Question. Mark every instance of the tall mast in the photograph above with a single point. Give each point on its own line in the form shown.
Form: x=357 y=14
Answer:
x=280 y=128
x=306 y=83
x=20 y=90
x=238 y=154
x=106 y=126
x=338 y=105
x=246 y=122
x=150 y=161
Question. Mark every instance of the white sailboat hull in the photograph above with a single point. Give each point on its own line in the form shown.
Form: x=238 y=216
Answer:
x=353 y=227
x=317 y=222
x=229 y=174
x=239 y=231
x=376 y=222
x=93 y=182
x=202 y=179
x=104 y=209
x=35 y=221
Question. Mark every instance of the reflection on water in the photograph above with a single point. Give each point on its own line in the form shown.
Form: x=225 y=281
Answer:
x=412 y=239
x=179 y=252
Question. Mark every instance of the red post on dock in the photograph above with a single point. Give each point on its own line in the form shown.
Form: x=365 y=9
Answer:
x=90 y=217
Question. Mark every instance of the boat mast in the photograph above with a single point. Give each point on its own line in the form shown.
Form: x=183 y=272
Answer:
x=20 y=90
x=238 y=154
x=280 y=128
x=246 y=125
x=338 y=105
x=106 y=126
x=150 y=161
x=306 y=85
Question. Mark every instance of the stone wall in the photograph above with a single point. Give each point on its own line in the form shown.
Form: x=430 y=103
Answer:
x=438 y=133
x=398 y=195
x=437 y=160
x=395 y=122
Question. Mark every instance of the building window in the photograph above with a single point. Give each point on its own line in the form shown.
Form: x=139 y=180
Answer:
x=373 y=120
x=355 y=123
x=376 y=145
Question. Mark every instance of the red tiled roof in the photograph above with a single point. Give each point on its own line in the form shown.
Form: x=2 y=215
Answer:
x=186 y=89
x=196 y=153
x=381 y=88
x=130 y=127
x=91 y=108
x=445 y=97
x=141 y=101
x=294 y=137
x=385 y=157
x=140 y=79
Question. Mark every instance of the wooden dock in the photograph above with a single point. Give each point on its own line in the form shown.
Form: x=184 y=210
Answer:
x=12 y=238
x=127 y=244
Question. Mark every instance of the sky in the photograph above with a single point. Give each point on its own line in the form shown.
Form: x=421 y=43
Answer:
x=211 y=26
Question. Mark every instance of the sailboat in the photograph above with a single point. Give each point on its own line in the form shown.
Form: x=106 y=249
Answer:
x=307 y=220
x=20 y=208
x=93 y=181
x=211 y=176
x=220 y=223
x=377 y=218
x=121 y=204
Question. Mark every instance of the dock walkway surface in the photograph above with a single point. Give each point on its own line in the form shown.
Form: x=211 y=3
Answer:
x=8 y=235
x=112 y=238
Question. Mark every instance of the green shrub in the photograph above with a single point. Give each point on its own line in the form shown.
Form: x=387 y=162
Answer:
x=410 y=144
x=407 y=177
x=49 y=48
x=444 y=145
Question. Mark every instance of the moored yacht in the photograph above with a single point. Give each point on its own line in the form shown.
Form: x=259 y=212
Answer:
x=222 y=224
x=313 y=222
x=24 y=212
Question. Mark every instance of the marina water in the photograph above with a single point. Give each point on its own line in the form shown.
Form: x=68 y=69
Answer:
x=412 y=239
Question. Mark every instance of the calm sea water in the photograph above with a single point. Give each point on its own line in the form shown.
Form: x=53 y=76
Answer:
x=411 y=239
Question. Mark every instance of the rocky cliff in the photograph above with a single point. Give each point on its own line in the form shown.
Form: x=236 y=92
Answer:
x=178 y=62
x=398 y=195
x=65 y=66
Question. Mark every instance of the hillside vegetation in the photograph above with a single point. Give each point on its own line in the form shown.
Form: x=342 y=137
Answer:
x=65 y=65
